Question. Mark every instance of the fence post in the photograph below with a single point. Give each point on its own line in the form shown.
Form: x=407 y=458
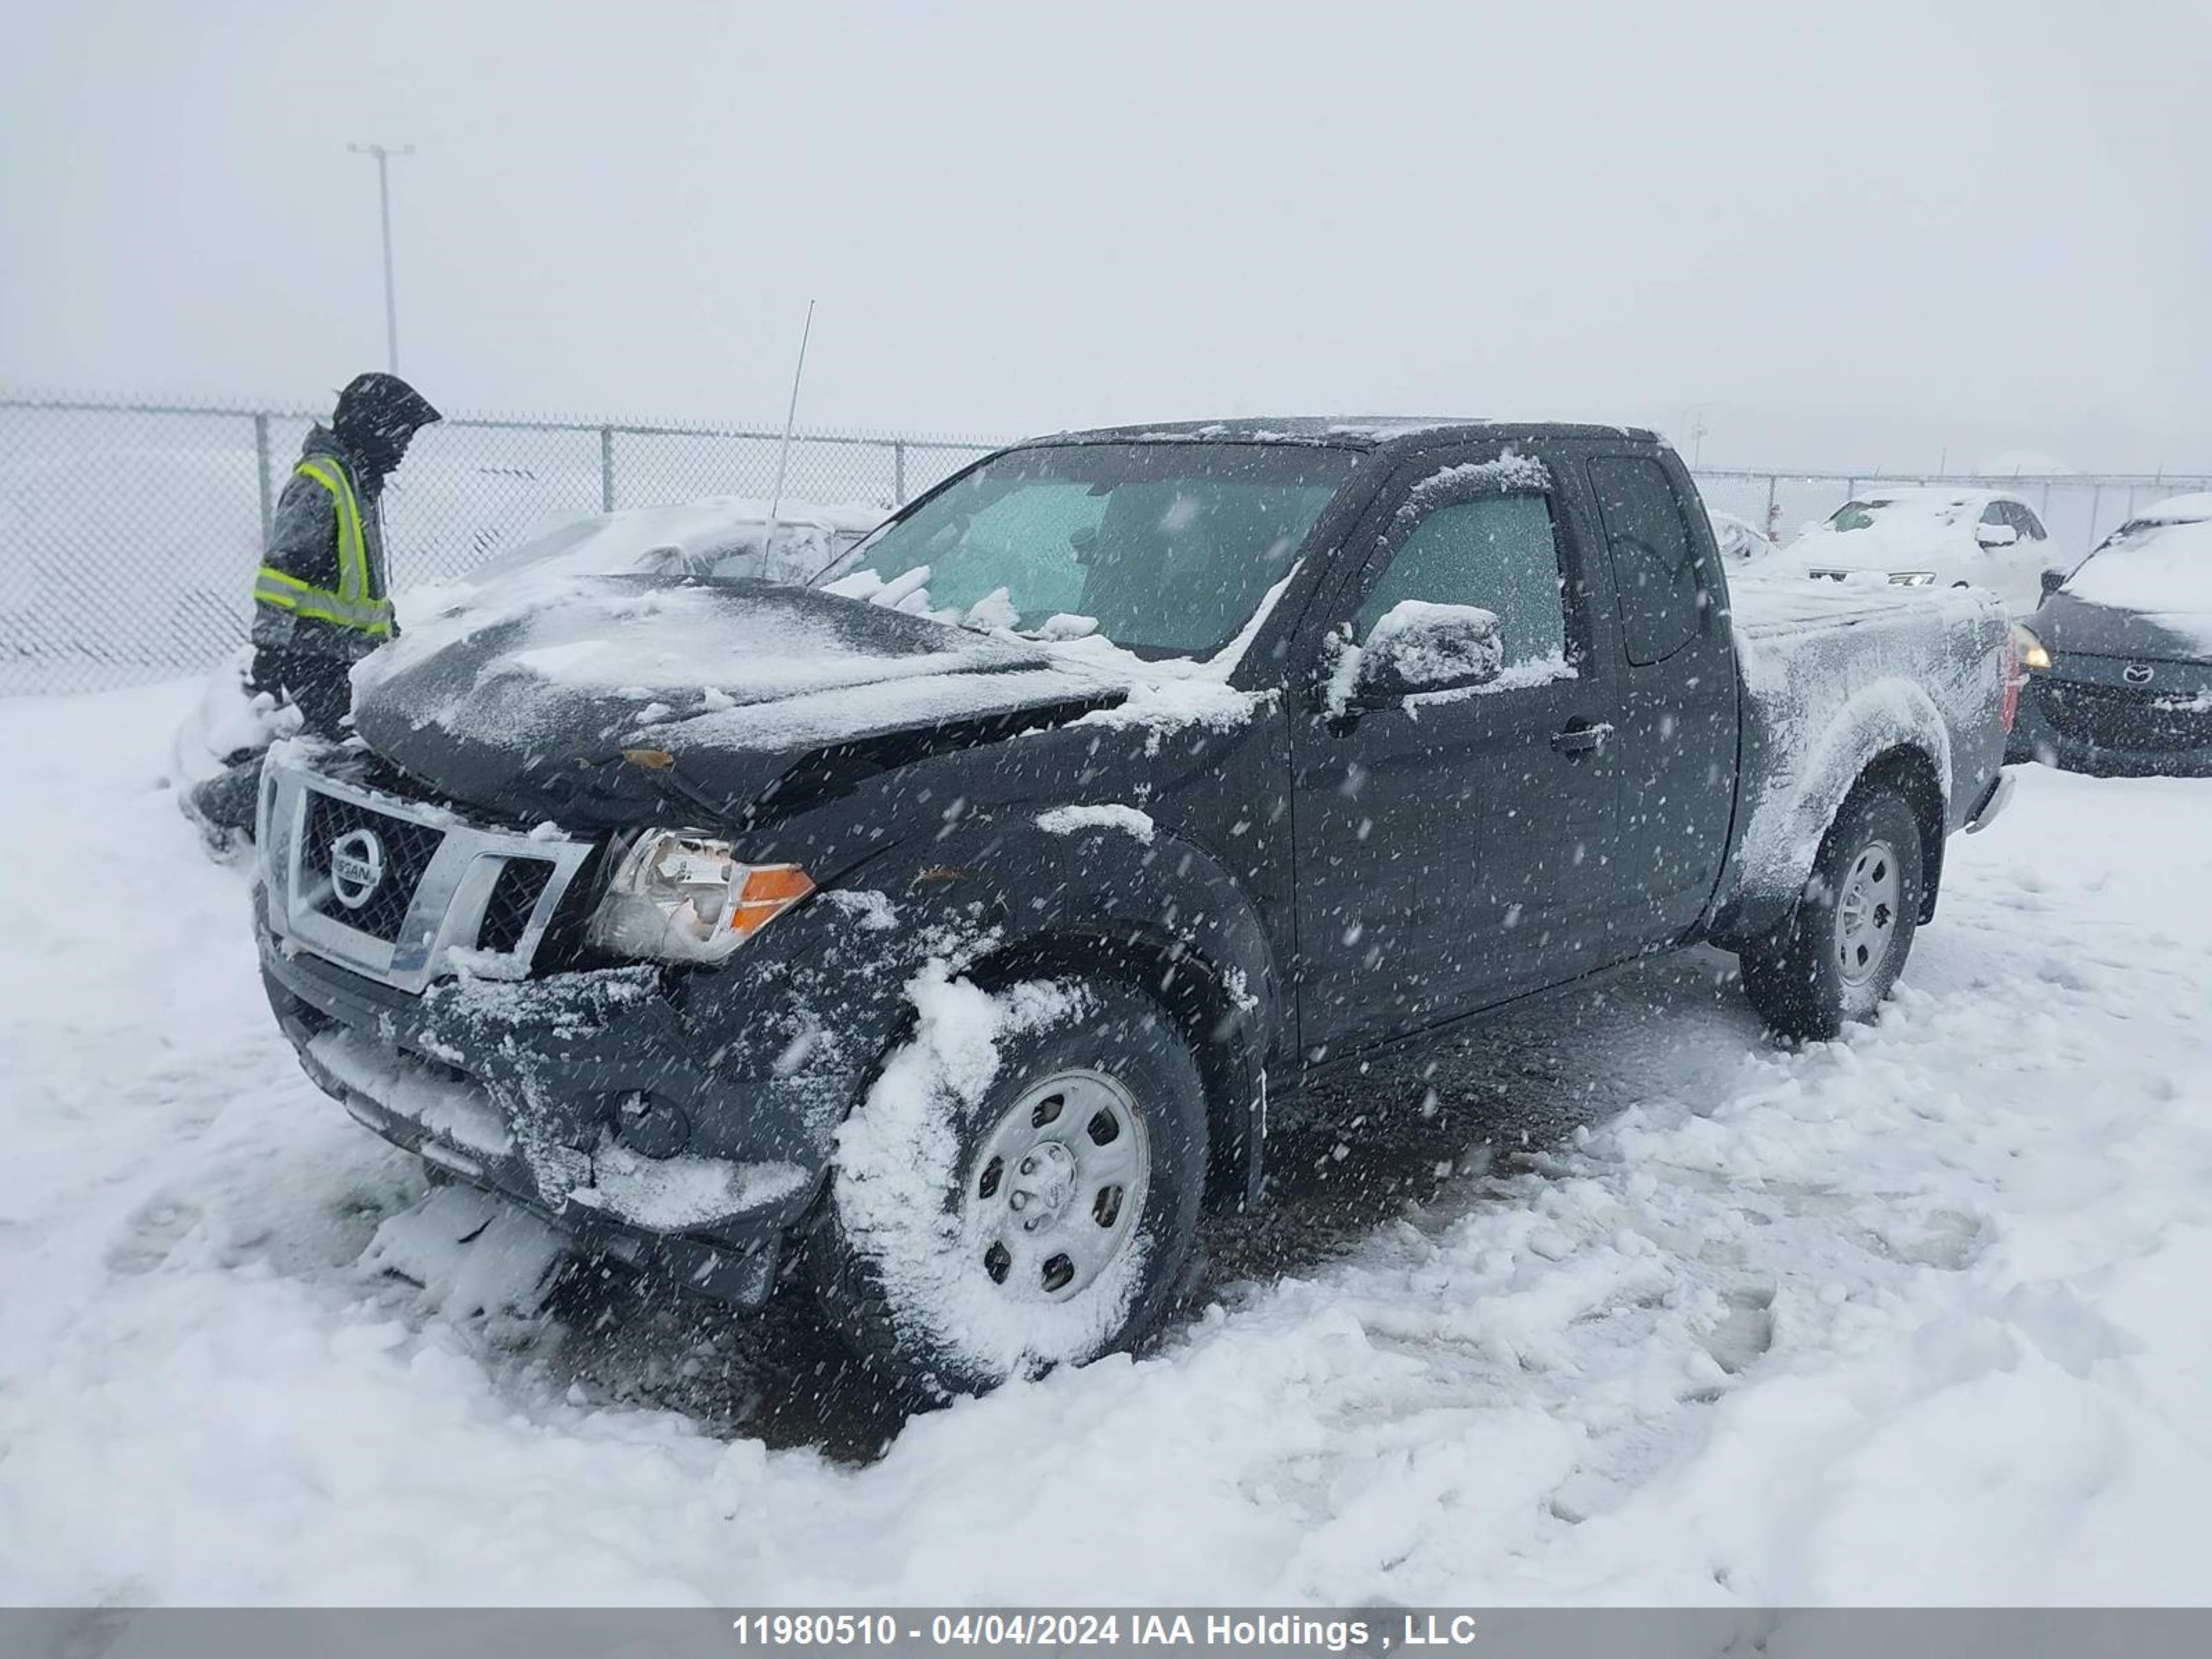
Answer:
x=898 y=474
x=261 y=463
x=1769 y=526
x=607 y=469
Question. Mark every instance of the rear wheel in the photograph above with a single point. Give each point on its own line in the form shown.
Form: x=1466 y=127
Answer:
x=1836 y=956
x=988 y=1222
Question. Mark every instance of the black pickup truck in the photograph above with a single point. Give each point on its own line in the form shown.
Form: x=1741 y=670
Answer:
x=946 y=933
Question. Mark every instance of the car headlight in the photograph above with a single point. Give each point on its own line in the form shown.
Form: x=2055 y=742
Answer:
x=1913 y=579
x=685 y=897
x=2034 y=655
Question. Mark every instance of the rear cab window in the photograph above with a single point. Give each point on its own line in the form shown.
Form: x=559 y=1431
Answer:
x=1658 y=575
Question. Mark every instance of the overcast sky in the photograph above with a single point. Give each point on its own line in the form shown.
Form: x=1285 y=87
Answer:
x=1847 y=236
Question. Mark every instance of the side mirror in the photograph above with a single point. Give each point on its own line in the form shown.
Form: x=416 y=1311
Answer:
x=2052 y=581
x=1419 y=647
x=1996 y=535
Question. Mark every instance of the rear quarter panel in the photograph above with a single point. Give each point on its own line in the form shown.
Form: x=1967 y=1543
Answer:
x=1832 y=678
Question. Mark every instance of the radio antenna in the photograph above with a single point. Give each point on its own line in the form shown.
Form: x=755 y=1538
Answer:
x=783 y=449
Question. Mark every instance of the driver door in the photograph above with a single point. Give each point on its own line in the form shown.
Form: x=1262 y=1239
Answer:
x=1443 y=839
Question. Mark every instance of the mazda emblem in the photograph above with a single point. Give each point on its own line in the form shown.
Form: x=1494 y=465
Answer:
x=356 y=867
x=2137 y=673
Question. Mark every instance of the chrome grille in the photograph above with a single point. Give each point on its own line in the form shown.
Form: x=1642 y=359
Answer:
x=407 y=849
x=514 y=901
x=444 y=886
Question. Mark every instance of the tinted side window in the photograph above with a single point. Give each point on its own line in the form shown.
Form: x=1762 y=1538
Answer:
x=1496 y=551
x=2030 y=526
x=1654 y=562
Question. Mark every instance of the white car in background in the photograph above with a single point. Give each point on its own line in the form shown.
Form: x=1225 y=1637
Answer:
x=1931 y=536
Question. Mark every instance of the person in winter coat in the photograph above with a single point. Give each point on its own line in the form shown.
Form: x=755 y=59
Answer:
x=322 y=597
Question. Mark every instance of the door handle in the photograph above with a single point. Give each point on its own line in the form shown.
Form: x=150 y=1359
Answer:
x=1581 y=737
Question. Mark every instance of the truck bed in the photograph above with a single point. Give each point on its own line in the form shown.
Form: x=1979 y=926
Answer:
x=1835 y=674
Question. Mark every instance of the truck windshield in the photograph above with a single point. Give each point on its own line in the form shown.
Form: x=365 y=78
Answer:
x=1164 y=549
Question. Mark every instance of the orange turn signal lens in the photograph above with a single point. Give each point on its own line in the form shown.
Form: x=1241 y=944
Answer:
x=769 y=890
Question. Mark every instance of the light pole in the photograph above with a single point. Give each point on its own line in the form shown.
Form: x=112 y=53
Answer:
x=384 y=153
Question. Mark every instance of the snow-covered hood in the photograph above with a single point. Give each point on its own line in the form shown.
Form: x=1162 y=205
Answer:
x=527 y=706
x=2070 y=624
x=1902 y=544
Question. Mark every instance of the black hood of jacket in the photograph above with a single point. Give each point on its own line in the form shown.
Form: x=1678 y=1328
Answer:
x=524 y=704
x=2072 y=626
x=377 y=416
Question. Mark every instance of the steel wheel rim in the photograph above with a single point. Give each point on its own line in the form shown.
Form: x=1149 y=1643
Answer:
x=1867 y=912
x=1052 y=1199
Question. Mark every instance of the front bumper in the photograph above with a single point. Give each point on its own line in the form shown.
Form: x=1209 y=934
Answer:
x=2098 y=724
x=680 y=1119
x=522 y=1090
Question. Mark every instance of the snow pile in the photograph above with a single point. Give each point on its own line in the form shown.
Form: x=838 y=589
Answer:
x=226 y=720
x=1914 y=1316
x=900 y=1153
x=1075 y=820
x=473 y=1256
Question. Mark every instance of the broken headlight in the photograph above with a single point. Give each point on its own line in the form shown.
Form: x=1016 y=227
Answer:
x=683 y=897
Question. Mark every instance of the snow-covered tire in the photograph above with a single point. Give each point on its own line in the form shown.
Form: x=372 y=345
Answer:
x=1020 y=1188
x=1845 y=943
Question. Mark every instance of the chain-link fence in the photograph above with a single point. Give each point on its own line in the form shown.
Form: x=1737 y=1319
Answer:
x=130 y=531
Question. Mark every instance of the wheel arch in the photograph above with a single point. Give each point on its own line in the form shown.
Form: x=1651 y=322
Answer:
x=1889 y=731
x=1912 y=771
x=1210 y=1006
x=1158 y=912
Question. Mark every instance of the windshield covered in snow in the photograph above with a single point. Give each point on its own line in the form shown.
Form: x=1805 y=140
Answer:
x=1163 y=549
x=1904 y=509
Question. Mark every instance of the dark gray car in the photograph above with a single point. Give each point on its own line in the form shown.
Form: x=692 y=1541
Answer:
x=2119 y=655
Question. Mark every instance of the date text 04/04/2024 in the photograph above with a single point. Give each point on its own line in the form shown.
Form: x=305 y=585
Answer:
x=1268 y=1632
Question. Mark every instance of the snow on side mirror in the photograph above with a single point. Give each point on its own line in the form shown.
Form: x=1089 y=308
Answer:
x=1419 y=647
x=1996 y=535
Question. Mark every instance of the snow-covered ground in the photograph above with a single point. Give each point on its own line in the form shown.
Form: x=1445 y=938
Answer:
x=1647 y=1311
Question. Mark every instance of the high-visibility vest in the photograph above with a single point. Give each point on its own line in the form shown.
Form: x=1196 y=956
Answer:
x=351 y=604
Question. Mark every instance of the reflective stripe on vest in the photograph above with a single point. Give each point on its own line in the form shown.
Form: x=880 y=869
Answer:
x=352 y=606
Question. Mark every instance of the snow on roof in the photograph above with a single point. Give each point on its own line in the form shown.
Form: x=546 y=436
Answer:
x=2179 y=509
x=1363 y=431
x=1930 y=498
x=2160 y=569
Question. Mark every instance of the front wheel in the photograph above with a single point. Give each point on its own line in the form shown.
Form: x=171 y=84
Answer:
x=1844 y=945
x=1020 y=1189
